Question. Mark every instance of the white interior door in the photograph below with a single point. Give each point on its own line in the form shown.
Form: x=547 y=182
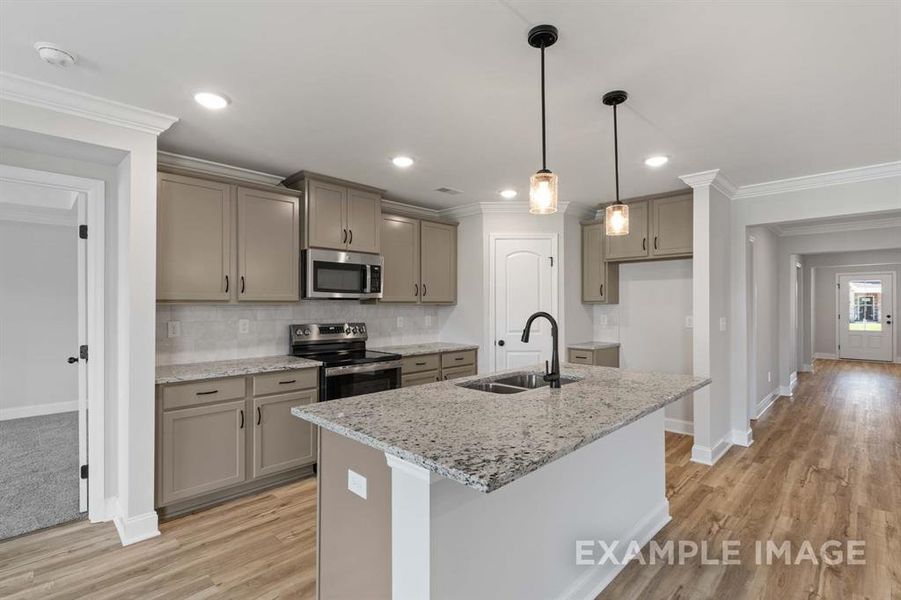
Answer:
x=524 y=282
x=865 y=309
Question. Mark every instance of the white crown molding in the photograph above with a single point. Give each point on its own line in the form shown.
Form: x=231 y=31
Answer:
x=401 y=208
x=713 y=178
x=855 y=175
x=199 y=165
x=52 y=97
x=20 y=213
x=518 y=207
x=787 y=229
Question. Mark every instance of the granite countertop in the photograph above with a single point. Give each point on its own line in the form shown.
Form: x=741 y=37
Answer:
x=486 y=440
x=593 y=345
x=427 y=348
x=230 y=368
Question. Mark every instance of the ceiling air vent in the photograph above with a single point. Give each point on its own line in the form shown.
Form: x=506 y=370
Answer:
x=448 y=190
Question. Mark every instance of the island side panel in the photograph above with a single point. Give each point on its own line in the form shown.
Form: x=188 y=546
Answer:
x=354 y=533
x=520 y=540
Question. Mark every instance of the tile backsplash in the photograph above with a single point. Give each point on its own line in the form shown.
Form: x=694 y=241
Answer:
x=211 y=332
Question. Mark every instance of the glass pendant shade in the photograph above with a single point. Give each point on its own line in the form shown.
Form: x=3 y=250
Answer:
x=543 y=193
x=616 y=221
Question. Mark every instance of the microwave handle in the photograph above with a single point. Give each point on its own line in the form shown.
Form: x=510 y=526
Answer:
x=367 y=289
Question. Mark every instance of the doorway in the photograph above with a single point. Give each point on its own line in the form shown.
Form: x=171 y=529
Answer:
x=523 y=280
x=865 y=304
x=50 y=316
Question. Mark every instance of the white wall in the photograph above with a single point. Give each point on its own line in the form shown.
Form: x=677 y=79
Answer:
x=766 y=280
x=38 y=319
x=649 y=322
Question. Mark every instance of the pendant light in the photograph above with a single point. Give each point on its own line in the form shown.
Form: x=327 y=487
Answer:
x=616 y=221
x=543 y=184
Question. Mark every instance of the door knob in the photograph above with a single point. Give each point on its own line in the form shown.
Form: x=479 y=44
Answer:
x=71 y=360
x=501 y=342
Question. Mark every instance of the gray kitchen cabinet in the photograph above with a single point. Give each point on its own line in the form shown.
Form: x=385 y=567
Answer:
x=671 y=225
x=194 y=238
x=600 y=279
x=635 y=243
x=601 y=357
x=326 y=215
x=457 y=372
x=201 y=450
x=281 y=441
x=400 y=253
x=268 y=246
x=440 y=366
x=364 y=223
x=420 y=378
x=438 y=252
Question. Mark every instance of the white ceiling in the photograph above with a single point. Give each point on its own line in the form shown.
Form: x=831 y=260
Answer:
x=762 y=91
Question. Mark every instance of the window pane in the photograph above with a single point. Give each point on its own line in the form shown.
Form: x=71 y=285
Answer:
x=865 y=305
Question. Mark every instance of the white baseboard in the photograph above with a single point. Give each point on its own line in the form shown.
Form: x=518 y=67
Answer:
x=679 y=426
x=133 y=529
x=709 y=456
x=805 y=368
x=765 y=403
x=825 y=356
x=20 y=412
x=742 y=438
x=898 y=359
x=599 y=577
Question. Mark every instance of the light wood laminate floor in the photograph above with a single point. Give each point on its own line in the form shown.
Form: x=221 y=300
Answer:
x=826 y=464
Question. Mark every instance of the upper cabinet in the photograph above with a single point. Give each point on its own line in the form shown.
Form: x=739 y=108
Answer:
x=635 y=244
x=420 y=260
x=659 y=227
x=338 y=215
x=219 y=241
x=600 y=279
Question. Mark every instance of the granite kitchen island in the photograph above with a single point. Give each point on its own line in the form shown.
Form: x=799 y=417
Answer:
x=441 y=491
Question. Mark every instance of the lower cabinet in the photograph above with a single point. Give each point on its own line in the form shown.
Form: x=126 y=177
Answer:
x=209 y=449
x=420 y=378
x=457 y=372
x=599 y=357
x=441 y=366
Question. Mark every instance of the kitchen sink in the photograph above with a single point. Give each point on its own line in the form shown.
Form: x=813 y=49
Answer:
x=513 y=384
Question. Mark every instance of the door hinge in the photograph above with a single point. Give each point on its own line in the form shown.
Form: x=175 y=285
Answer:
x=83 y=232
x=84 y=471
x=83 y=352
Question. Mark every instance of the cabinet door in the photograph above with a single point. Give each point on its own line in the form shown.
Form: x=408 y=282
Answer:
x=456 y=372
x=634 y=245
x=364 y=221
x=327 y=214
x=420 y=378
x=268 y=246
x=671 y=225
x=593 y=266
x=194 y=232
x=282 y=441
x=202 y=450
x=400 y=251
x=438 y=251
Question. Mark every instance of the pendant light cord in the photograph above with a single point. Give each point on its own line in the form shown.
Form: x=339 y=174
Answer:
x=543 y=124
x=616 y=153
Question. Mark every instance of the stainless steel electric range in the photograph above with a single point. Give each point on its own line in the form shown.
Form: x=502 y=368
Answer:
x=349 y=369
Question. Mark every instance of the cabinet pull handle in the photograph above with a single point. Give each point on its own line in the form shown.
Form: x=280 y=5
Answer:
x=437 y=379
x=259 y=415
x=459 y=358
x=602 y=289
x=655 y=242
x=445 y=378
x=344 y=241
x=424 y=290
x=226 y=284
x=422 y=364
x=242 y=419
x=242 y=284
x=415 y=289
x=208 y=393
x=287 y=382
x=351 y=240
x=644 y=243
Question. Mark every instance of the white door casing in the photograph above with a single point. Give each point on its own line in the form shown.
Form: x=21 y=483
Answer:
x=523 y=281
x=865 y=306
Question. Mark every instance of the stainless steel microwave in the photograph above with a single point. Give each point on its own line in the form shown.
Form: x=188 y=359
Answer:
x=337 y=274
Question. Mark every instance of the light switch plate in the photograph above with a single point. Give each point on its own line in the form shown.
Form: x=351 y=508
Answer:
x=400 y=322
x=602 y=320
x=243 y=325
x=689 y=322
x=174 y=328
x=722 y=323
x=356 y=483
x=428 y=320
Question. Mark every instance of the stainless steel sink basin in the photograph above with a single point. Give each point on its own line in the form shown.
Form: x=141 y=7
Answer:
x=513 y=384
x=530 y=381
x=490 y=386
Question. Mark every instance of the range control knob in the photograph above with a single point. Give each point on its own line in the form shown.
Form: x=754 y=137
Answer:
x=362 y=329
x=306 y=332
x=354 y=329
x=347 y=331
x=298 y=332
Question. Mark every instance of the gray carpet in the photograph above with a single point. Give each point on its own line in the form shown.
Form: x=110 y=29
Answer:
x=38 y=473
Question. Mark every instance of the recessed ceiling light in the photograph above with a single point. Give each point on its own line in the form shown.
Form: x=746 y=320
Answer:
x=508 y=194
x=54 y=55
x=402 y=161
x=210 y=100
x=656 y=161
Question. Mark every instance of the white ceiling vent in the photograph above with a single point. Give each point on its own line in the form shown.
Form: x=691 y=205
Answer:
x=448 y=190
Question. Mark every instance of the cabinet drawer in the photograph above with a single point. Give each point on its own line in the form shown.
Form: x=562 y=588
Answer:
x=285 y=381
x=420 y=378
x=416 y=364
x=182 y=395
x=581 y=357
x=455 y=372
x=458 y=359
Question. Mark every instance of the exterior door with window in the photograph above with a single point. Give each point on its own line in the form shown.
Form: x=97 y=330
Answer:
x=866 y=308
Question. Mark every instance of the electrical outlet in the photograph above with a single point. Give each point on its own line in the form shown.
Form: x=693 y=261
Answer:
x=400 y=322
x=243 y=325
x=689 y=321
x=174 y=328
x=428 y=320
x=722 y=323
x=356 y=483
x=602 y=320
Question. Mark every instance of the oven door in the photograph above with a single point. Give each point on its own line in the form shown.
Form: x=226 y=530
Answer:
x=355 y=380
x=336 y=274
